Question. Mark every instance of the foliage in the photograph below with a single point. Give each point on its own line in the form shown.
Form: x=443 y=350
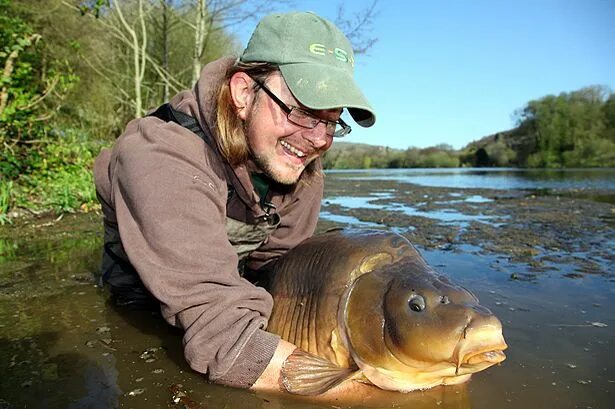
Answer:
x=68 y=88
x=439 y=156
x=574 y=129
x=500 y=154
x=6 y=193
x=344 y=155
x=67 y=92
x=61 y=180
x=571 y=129
x=608 y=111
x=33 y=89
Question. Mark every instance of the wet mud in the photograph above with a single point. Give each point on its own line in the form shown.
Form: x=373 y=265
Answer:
x=537 y=228
x=541 y=261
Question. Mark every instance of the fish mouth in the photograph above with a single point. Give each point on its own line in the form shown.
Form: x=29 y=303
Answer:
x=480 y=346
x=490 y=356
x=477 y=360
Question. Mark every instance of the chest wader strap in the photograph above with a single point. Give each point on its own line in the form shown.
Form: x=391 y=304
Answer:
x=169 y=114
x=244 y=237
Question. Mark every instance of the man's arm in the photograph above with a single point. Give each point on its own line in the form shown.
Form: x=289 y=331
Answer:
x=170 y=209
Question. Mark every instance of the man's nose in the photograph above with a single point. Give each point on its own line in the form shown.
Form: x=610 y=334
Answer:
x=317 y=136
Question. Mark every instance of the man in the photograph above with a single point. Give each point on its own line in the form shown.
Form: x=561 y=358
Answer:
x=192 y=208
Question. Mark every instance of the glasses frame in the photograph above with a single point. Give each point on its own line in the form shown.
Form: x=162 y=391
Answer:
x=344 y=130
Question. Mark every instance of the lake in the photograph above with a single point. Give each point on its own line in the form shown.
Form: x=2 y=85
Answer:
x=535 y=246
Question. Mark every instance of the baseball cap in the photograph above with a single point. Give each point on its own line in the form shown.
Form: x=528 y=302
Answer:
x=316 y=61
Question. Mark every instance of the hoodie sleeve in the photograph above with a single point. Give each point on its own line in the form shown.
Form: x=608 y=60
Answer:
x=170 y=208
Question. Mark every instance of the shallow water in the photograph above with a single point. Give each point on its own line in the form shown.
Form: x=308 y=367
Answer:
x=62 y=345
x=492 y=178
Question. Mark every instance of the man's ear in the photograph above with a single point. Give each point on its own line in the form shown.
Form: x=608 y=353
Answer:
x=242 y=93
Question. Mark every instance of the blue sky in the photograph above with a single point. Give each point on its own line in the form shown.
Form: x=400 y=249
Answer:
x=455 y=71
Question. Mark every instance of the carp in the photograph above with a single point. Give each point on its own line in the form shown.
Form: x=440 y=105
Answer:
x=364 y=305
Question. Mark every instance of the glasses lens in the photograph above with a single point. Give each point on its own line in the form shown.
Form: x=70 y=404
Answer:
x=308 y=120
x=302 y=118
x=331 y=128
x=341 y=131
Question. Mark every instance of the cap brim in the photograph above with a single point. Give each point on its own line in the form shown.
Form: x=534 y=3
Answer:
x=324 y=87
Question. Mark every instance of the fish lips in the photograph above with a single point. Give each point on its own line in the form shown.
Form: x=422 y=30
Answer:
x=477 y=361
x=485 y=349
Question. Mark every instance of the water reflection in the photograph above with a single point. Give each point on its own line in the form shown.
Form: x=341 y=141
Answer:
x=492 y=178
x=477 y=199
x=348 y=221
x=446 y=215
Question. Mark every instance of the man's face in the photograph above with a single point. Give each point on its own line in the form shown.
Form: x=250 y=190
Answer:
x=279 y=147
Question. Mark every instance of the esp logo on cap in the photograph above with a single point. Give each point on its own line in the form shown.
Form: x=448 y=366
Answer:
x=338 y=53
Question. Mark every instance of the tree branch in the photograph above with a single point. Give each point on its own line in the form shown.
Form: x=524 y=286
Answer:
x=357 y=26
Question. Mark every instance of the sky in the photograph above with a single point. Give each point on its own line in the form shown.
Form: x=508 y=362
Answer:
x=455 y=71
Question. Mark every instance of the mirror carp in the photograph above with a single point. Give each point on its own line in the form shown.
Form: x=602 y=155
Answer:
x=364 y=305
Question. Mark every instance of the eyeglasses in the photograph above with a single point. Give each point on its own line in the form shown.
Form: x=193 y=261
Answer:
x=306 y=119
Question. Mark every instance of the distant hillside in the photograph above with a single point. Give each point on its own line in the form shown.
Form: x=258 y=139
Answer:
x=574 y=129
x=508 y=148
x=347 y=155
x=505 y=148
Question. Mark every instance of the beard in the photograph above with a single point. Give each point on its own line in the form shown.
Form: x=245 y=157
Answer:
x=267 y=159
x=281 y=173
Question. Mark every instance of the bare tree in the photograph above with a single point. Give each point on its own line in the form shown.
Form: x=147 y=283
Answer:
x=131 y=30
x=227 y=14
x=358 y=26
x=166 y=5
x=137 y=39
x=199 y=38
x=217 y=15
x=133 y=23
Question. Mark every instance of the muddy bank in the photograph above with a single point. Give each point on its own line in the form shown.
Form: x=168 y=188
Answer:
x=534 y=227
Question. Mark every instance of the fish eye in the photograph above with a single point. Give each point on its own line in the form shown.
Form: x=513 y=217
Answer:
x=416 y=303
x=444 y=300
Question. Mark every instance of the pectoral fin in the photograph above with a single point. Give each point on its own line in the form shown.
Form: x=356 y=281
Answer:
x=307 y=374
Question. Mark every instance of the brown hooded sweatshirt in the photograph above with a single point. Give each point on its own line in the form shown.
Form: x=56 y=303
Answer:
x=164 y=193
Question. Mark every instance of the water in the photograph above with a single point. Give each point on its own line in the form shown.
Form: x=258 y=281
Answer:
x=597 y=184
x=491 y=178
x=63 y=345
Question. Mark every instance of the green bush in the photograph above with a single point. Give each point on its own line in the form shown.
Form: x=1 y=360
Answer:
x=439 y=159
x=61 y=179
x=6 y=193
x=591 y=153
x=500 y=154
x=544 y=159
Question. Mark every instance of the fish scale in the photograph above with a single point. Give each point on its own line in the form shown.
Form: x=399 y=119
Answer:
x=298 y=308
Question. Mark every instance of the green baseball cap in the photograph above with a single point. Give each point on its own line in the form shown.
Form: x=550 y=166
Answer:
x=315 y=59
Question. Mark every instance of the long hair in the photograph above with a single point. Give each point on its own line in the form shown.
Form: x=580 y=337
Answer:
x=231 y=138
x=232 y=141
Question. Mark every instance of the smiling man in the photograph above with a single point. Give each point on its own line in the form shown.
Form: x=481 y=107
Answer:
x=202 y=194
